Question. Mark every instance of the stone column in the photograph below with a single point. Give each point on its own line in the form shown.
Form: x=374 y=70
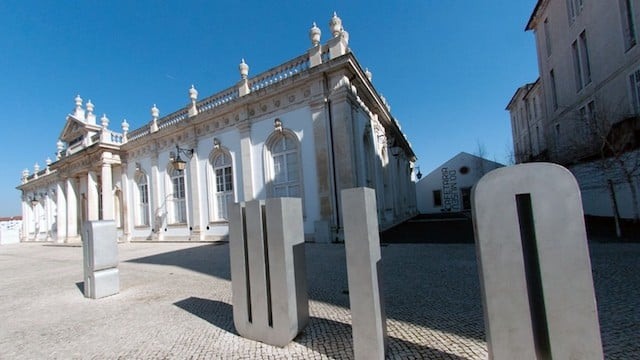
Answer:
x=323 y=167
x=61 y=221
x=157 y=216
x=25 y=218
x=47 y=212
x=196 y=203
x=124 y=207
x=93 y=210
x=246 y=161
x=72 y=211
x=107 y=188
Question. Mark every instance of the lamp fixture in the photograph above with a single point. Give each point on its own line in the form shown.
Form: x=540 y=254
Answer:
x=177 y=162
x=34 y=200
x=418 y=173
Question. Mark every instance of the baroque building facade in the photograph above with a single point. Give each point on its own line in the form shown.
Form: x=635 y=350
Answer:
x=307 y=128
x=583 y=110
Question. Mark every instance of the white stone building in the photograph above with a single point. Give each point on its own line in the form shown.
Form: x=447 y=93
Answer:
x=306 y=128
x=585 y=106
x=448 y=187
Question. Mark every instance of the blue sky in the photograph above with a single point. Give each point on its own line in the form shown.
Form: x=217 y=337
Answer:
x=447 y=68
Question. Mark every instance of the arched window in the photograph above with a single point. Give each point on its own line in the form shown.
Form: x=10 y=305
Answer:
x=222 y=186
x=284 y=156
x=179 y=198
x=143 y=199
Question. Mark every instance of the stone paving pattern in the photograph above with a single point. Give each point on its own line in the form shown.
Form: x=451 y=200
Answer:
x=175 y=303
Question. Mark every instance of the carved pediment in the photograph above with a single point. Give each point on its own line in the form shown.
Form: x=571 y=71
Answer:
x=75 y=129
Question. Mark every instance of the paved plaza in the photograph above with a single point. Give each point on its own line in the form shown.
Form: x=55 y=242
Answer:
x=175 y=303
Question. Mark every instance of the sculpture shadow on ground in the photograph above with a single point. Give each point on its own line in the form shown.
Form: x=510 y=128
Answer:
x=432 y=286
x=80 y=286
x=210 y=259
x=328 y=337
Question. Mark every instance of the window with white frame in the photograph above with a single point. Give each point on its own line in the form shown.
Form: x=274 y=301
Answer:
x=628 y=28
x=285 y=165
x=223 y=184
x=577 y=66
x=179 y=198
x=143 y=199
x=581 y=62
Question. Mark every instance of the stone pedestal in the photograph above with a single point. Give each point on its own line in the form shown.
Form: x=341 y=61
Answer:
x=534 y=264
x=362 y=244
x=100 y=250
x=268 y=274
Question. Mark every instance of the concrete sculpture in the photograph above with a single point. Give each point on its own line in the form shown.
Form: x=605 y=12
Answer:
x=534 y=265
x=268 y=274
x=362 y=243
x=100 y=250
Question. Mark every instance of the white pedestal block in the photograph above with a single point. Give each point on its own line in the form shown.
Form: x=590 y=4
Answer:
x=534 y=265
x=268 y=274
x=362 y=243
x=100 y=250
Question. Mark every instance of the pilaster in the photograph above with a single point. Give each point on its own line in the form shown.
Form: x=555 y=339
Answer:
x=196 y=202
x=72 y=211
x=93 y=209
x=158 y=212
x=61 y=209
x=107 y=187
x=246 y=161
x=126 y=221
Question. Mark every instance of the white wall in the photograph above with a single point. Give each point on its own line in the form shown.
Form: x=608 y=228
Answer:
x=450 y=180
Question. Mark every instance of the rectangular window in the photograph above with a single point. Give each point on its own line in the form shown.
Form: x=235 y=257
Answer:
x=547 y=36
x=577 y=68
x=557 y=135
x=634 y=82
x=628 y=28
x=144 y=204
x=554 y=93
x=437 y=198
x=583 y=123
x=584 y=55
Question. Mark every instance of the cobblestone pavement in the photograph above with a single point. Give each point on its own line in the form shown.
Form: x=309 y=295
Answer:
x=175 y=302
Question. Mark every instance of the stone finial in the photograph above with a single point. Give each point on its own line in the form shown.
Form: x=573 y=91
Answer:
x=91 y=118
x=78 y=112
x=335 y=25
x=89 y=107
x=193 y=93
x=48 y=161
x=368 y=74
x=104 y=120
x=25 y=173
x=36 y=168
x=244 y=69
x=125 y=126
x=155 y=112
x=59 y=147
x=314 y=35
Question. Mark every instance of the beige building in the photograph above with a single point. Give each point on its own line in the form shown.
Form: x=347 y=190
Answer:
x=583 y=110
x=307 y=128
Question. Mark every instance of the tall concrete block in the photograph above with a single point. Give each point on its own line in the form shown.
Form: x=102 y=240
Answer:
x=268 y=273
x=362 y=243
x=534 y=265
x=100 y=250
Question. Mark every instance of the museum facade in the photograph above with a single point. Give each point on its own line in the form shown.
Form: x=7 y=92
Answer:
x=307 y=128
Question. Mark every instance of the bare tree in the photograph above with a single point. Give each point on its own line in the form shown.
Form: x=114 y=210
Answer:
x=607 y=140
